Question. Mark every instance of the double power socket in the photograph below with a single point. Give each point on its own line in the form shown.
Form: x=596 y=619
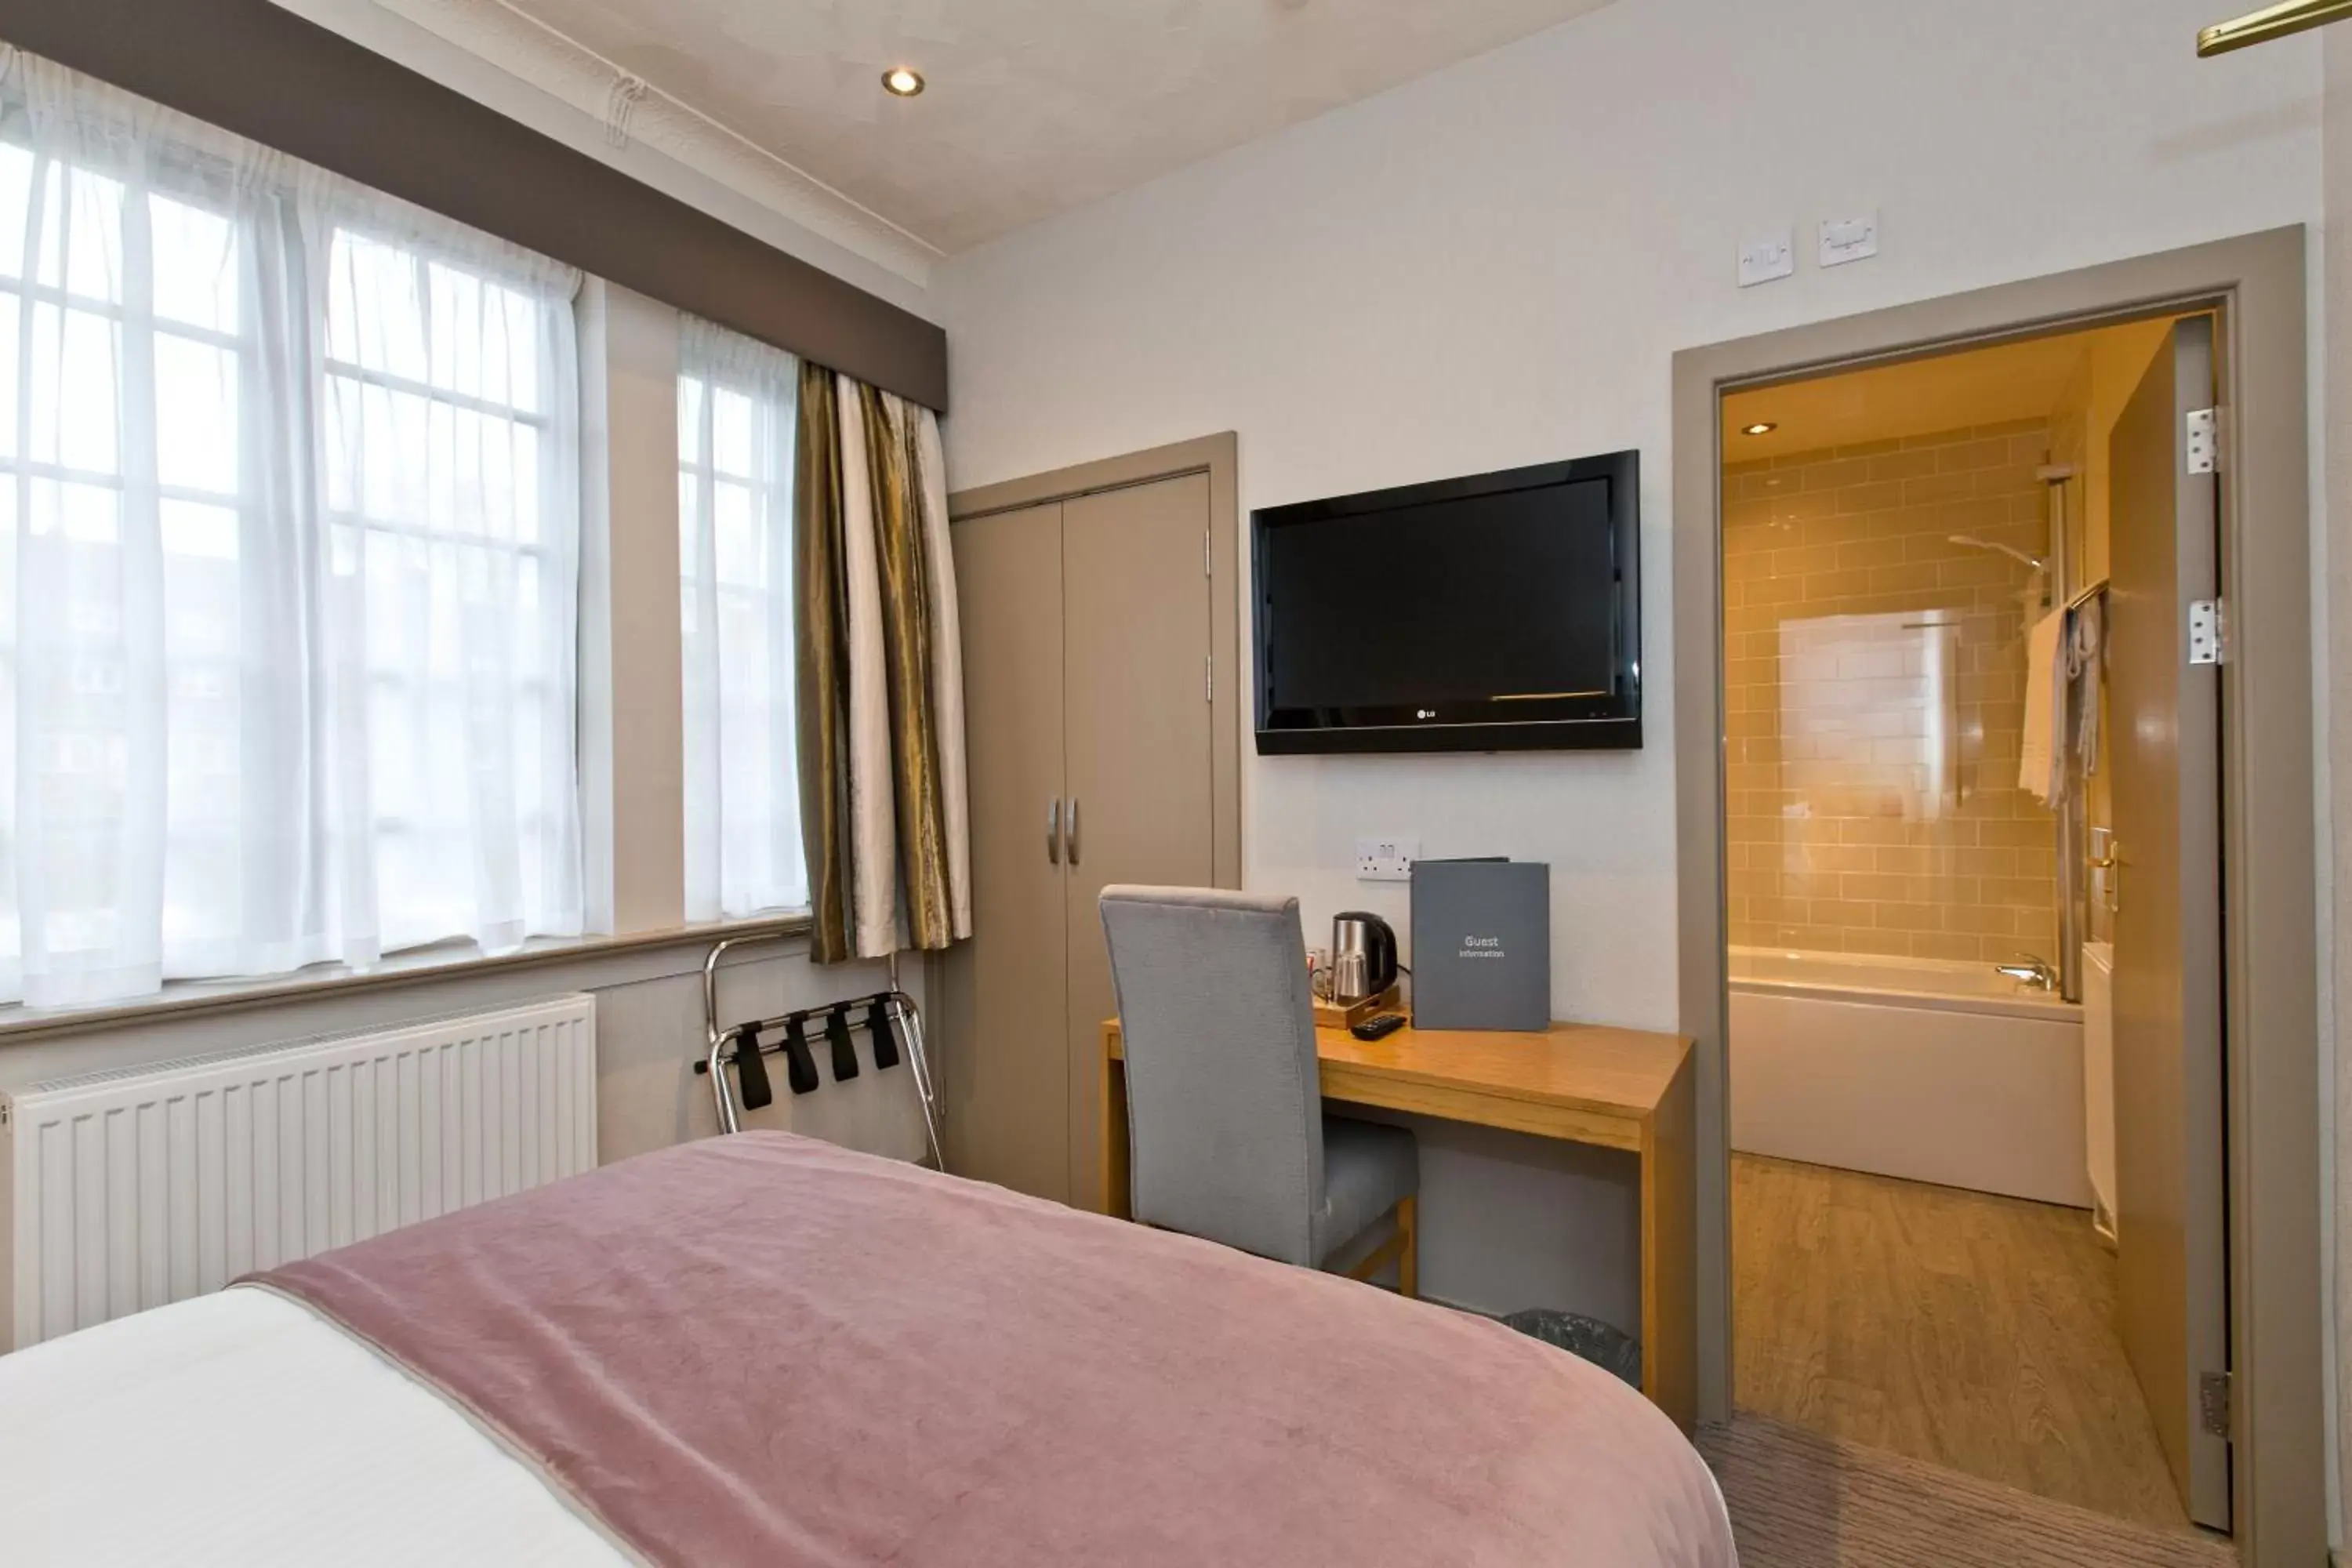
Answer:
x=1386 y=859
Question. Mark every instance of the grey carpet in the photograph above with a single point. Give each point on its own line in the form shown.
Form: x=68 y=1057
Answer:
x=1799 y=1500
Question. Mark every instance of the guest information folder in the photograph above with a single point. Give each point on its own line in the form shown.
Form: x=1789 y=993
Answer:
x=1481 y=945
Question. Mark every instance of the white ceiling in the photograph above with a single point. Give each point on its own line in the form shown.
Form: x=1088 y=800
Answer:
x=1034 y=106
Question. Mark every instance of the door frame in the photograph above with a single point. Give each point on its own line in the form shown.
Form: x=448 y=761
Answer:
x=1214 y=456
x=2255 y=286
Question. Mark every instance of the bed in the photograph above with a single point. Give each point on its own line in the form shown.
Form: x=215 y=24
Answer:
x=761 y=1349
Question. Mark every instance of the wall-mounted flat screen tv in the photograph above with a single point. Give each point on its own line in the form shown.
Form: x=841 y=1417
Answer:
x=1500 y=613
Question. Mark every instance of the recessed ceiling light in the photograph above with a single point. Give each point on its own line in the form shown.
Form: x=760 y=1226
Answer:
x=1761 y=427
x=902 y=81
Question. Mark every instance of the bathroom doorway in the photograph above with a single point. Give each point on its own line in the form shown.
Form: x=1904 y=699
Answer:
x=1916 y=568
x=2230 y=314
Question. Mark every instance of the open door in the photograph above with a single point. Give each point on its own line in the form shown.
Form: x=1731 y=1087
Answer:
x=2164 y=765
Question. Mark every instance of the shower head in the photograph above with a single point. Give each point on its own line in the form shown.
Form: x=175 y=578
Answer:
x=2033 y=563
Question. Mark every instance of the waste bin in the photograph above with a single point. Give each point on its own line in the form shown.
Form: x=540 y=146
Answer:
x=1611 y=1350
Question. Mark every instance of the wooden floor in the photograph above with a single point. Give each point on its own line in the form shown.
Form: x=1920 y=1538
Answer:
x=1968 y=1331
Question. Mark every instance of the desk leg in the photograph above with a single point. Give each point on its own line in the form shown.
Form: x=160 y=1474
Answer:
x=1117 y=1198
x=1670 y=1253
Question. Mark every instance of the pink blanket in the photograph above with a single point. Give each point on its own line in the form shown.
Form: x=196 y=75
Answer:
x=765 y=1350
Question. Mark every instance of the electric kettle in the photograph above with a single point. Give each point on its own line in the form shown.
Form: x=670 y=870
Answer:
x=1363 y=957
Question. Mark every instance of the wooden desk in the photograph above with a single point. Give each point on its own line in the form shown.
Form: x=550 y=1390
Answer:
x=1617 y=1088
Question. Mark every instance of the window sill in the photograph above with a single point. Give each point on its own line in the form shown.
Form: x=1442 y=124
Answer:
x=418 y=966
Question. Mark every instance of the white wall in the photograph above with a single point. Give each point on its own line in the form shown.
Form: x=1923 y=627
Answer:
x=632 y=639
x=1493 y=266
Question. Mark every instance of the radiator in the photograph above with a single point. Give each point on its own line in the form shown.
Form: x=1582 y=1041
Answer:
x=129 y=1189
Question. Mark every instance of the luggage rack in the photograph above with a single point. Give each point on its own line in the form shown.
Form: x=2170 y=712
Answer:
x=745 y=1046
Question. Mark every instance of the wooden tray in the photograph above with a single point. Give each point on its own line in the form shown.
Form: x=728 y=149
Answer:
x=1327 y=1017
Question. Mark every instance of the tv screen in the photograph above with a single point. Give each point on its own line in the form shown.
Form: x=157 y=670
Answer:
x=1495 y=613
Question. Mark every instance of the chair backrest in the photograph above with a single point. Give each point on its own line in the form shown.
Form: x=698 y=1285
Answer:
x=1223 y=1102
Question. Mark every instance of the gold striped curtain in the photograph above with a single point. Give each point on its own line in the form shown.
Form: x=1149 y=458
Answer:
x=820 y=657
x=880 y=675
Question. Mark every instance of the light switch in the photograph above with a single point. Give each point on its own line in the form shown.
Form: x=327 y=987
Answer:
x=1845 y=240
x=1767 y=256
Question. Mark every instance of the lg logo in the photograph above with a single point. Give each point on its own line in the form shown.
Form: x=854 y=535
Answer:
x=1424 y=712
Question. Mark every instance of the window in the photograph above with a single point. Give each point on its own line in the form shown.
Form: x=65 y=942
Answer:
x=288 y=524
x=451 y=517
x=737 y=424
x=83 y=307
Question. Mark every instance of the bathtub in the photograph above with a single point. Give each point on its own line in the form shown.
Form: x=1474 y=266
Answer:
x=1925 y=1068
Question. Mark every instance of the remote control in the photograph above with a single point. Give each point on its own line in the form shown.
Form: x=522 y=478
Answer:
x=1379 y=1026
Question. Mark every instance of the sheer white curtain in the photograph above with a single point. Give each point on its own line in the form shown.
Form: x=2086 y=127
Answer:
x=288 y=512
x=449 y=471
x=737 y=430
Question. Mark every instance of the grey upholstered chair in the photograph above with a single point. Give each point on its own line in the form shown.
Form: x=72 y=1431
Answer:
x=1226 y=1131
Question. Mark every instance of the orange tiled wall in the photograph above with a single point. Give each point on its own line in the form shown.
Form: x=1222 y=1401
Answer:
x=1874 y=687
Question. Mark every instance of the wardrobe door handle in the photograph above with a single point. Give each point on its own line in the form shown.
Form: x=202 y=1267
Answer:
x=1053 y=831
x=1074 y=830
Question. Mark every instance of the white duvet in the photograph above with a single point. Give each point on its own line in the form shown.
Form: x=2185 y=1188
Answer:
x=238 y=1429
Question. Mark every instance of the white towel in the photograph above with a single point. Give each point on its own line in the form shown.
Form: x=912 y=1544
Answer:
x=2043 y=749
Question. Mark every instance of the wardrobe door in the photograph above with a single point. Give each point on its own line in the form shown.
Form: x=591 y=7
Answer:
x=1004 y=1002
x=1135 y=675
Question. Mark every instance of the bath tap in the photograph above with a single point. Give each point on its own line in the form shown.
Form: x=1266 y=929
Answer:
x=2028 y=970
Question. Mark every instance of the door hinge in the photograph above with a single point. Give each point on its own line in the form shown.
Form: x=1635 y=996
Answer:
x=2204 y=440
x=1209 y=679
x=2208 y=632
x=1208 y=557
x=2213 y=1403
